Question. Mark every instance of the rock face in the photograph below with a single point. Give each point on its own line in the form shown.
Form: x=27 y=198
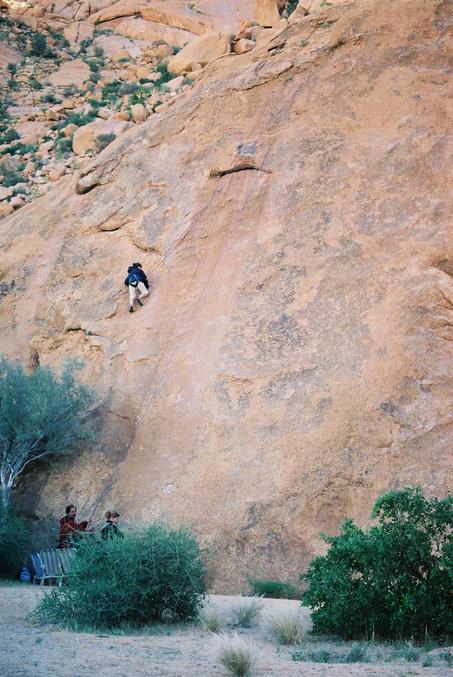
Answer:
x=202 y=50
x=293 y=360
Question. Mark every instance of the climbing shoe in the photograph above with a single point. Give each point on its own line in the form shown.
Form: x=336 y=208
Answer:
x=131 y=310
x=139 y=302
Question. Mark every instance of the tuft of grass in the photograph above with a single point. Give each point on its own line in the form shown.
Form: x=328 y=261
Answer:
x=285 y=627
x=357 y=654
x=447 y=656
x=212 y=618
x=245 y=612
x=320 y=656
x=235 y=654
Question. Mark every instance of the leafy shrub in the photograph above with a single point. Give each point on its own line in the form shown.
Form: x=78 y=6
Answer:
x=63 y=147
x=9 y=135
x=165 y=75
x=103 y=140
x=12 y=67
x=39 y=46
x=93 y=65
x=14 y=538
x=70 y=90
x=79 y=119
x=34 y=84
x=21 y=149
x=234 y=654
x=9 y=175
x=149 y=575
x=212 y=618
x=392 y=580
x=99 y=52
x=285 y=627
x=128 y=88
x=273 y=589
x=49 y=98
x=316 y=656
x=245 y=612
x=13 y=85
x=357 y=654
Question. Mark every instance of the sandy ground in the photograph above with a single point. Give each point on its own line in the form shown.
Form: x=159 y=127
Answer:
x=28 y=650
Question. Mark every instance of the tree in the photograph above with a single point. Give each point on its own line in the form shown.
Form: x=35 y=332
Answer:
x=41 y=415
x=392 y=580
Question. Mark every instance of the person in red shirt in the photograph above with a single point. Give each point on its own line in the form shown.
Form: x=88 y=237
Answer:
x=69 y=528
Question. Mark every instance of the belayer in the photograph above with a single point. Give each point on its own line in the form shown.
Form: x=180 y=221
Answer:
x=69 y=529
x=137 y=281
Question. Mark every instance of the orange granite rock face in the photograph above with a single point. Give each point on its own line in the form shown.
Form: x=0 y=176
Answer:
x=293 y=360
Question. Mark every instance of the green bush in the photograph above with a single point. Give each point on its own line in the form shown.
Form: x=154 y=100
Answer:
x=20 y=149
x=39 y=46
x=150 y=575
x=49 y=97
x=103 y=140
x=9 y=135
x=10 y=176
x=391 y=581
x=166 y=76
x=14 y=539
x=13 y=85
x=273 y=589
x=63 y=147
x=291 y=6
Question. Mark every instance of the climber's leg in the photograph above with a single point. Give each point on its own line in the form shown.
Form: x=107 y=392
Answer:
x=143 y=291
x=132 y=294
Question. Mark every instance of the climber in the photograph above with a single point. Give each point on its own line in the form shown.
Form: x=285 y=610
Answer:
x=111 y=528
x=69 y=528
x=136 y=280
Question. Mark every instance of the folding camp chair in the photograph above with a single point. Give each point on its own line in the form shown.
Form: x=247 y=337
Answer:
x=65 y=556
x=50 y=562
x=40 y=572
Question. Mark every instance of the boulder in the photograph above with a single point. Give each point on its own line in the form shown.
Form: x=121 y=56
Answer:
x=70 y=129
x=5 y=193
x=31 y=132
x=56 y=173
x=5 y=209
x=85 y=137
x=112 y=43
x=242 y=46
x=266 y=13
x=71 y=73
x=140 y=29
x=138 y=112
x=17 y=201
x=175 y=83
x=78 y=31
x=202 y=50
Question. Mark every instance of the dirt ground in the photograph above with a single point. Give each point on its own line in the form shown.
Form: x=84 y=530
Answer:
x=29 y=650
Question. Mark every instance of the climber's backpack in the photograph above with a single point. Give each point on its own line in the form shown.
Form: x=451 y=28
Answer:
x=134 y=279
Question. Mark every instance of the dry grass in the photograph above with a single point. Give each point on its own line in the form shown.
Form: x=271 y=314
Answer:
x=246 y=612
x=286 y=627
x=235 y=654
x=212 y=618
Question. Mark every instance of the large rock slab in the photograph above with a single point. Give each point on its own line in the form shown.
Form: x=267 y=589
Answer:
x=293 y=360
x=71 y=73
x=266 y=13
x=202 y=50
x=85 y=137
